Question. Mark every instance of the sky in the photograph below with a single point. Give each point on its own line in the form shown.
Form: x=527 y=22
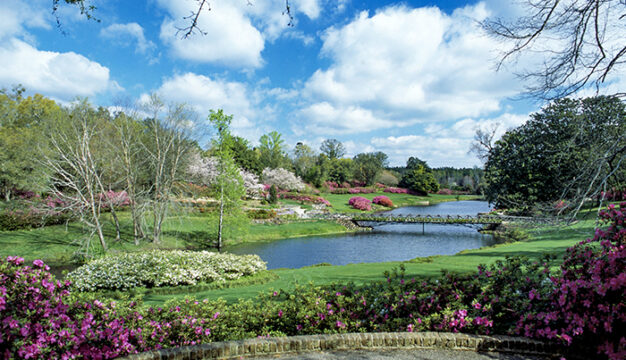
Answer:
x=412 y=78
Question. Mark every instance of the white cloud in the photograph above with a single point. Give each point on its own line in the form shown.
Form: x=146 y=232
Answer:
x=235 y=31
x=324 y=118
x=205 y=94
x=124 y=32
x=414 y=65
x=62 y=75
x=442 y=145
x=16 y=16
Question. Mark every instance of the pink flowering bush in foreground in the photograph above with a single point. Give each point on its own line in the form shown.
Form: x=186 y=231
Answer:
x=360 y=203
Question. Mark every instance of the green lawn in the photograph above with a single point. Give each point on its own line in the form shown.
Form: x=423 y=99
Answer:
x=56 y=244
x=554 y=240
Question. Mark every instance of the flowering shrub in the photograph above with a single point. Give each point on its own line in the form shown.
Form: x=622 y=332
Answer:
x=444 y=192
x=116 y=199
x=304 y=198
x=587 y=305
x=162 y=268
x=283 y=179
x=383 y=201
x=360 y=203
x=395 y=190
x=613 y=195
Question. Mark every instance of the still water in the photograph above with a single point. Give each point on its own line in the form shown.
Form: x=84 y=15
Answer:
x=390 y=242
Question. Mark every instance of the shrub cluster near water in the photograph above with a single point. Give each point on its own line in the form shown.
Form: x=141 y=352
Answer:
x=162 y=268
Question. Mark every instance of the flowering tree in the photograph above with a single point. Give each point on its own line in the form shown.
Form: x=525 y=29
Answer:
x=283 y=179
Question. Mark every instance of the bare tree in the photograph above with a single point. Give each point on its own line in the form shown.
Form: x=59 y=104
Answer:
x=167 y=146
x=581 y=42
x=483 y=141
x=132 y=160
x=75 y=176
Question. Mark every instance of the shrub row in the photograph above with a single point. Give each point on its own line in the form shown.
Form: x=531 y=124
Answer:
x=261 y=214
x=162 y=268
x=27 y=219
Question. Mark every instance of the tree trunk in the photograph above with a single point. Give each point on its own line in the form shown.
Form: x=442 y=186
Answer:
x=118 y=236
x=219 y=229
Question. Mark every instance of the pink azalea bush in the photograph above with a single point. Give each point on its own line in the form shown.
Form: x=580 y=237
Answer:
x=588 y=304
x=360 y=203
x=313 y=199
x=396 y=190
x=383 y=201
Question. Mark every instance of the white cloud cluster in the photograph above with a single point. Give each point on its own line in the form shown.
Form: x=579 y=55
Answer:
x=204 y=94
x=442 y=145
x=127 y=33
x=235 y=31
x=61 y=75
x=16 y=16
x=406 y=66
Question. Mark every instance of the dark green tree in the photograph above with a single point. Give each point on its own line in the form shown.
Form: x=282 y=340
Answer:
x=570 y=150
x=367 y=166
x=419 y=177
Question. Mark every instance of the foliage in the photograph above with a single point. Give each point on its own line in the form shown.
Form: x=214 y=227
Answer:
x=570 y=150
x=333 y=149
x=383 y=201
x=22 y=141
x=245 y=158
x=282 y=179
x=272 y=151
x=261 y=214
x=162 y=268
x=387 y=178
x=367 y=166
x=11 y=219
x=273 y=195
x=360 y=203
x=419 y=177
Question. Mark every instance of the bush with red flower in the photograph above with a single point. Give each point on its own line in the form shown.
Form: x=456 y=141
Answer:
x=360 y=203
x=383 y=201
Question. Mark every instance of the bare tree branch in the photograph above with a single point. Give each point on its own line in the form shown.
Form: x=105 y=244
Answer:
x=587 y=36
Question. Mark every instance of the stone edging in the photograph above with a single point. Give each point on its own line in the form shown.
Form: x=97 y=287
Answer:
x=356 y=341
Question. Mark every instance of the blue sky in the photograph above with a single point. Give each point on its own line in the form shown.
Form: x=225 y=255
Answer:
x=412 y=78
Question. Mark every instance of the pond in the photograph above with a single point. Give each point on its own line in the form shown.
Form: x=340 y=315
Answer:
x=389 y=242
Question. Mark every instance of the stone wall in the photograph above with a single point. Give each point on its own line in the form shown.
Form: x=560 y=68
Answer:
x=365 y=341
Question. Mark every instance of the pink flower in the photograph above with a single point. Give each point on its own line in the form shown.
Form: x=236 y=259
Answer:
x=38 y=263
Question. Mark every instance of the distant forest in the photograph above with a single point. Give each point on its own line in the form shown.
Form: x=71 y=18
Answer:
x=464 y=179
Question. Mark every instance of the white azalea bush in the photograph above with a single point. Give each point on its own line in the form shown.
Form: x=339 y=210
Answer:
x=282 y=179
x=162 y=268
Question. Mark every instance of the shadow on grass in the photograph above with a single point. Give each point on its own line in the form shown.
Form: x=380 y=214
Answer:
x=194 y=240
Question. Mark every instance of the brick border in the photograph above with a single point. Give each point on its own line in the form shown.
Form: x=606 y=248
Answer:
x=250 y=348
